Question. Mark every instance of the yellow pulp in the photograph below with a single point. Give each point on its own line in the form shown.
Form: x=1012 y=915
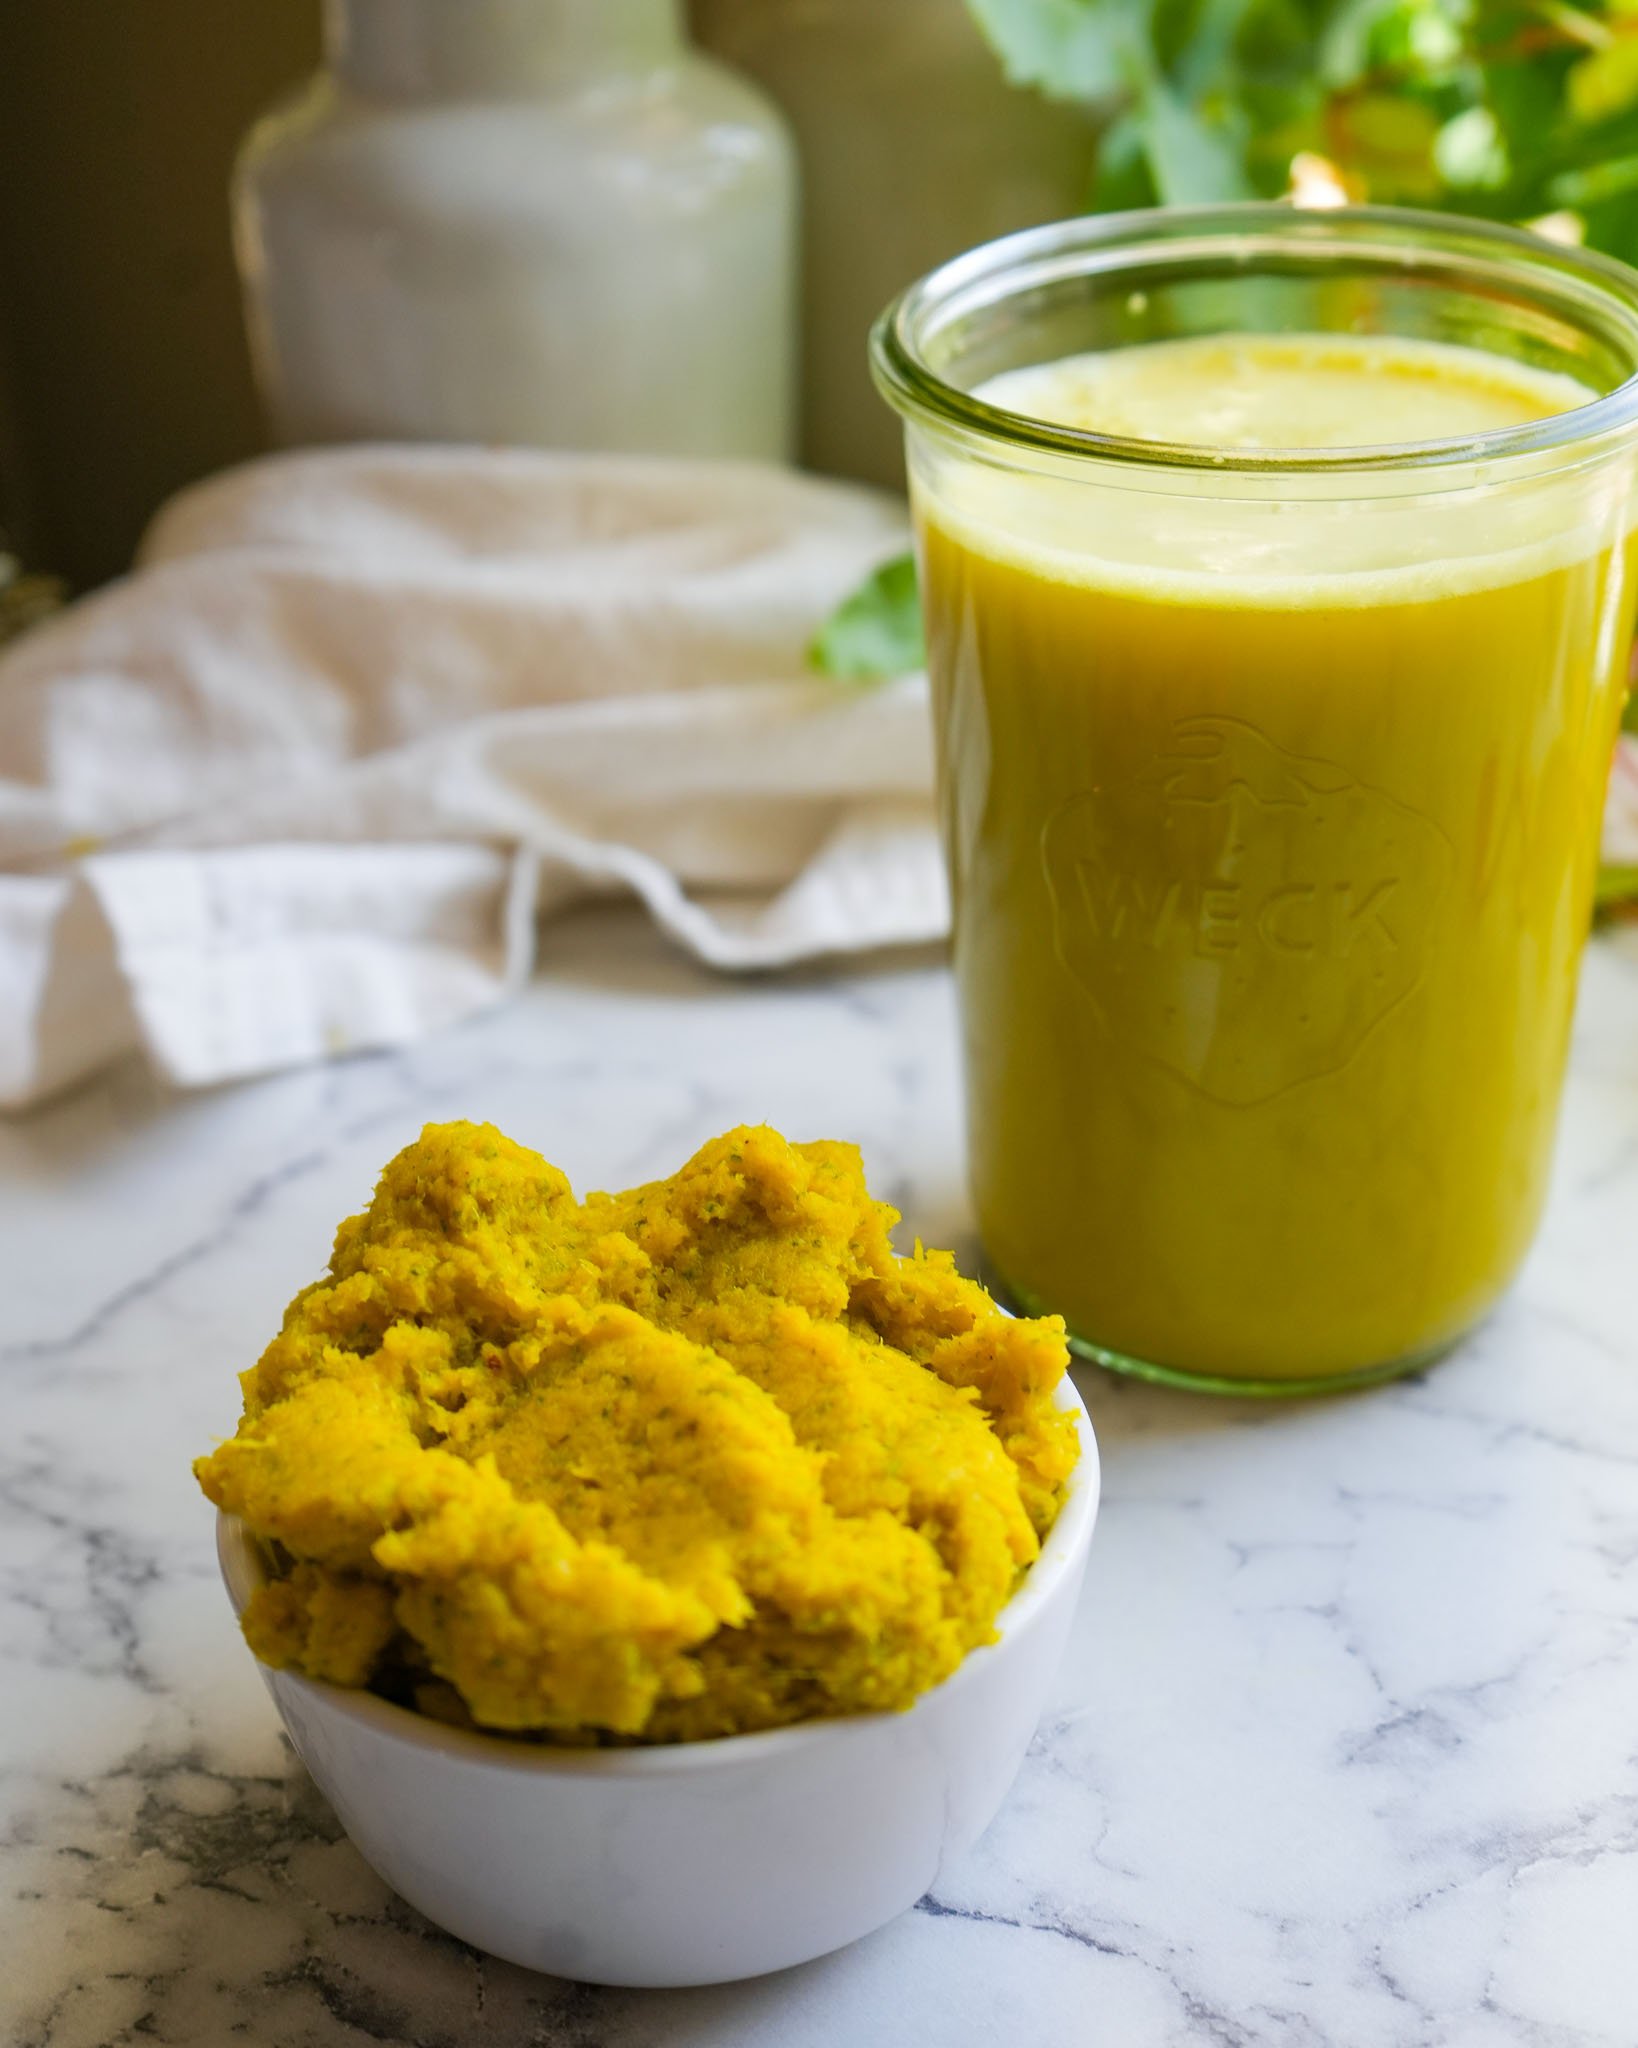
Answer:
x=1272 y=840
x=697 y=1459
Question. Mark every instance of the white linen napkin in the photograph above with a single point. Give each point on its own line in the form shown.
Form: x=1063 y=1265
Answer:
x=305 y=781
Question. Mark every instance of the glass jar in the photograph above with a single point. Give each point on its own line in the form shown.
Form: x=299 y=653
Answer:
x=535 y=221
x=913 y=147
x=1271 y=785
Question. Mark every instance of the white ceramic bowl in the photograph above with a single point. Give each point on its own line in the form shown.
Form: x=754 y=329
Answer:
x=698 y=1862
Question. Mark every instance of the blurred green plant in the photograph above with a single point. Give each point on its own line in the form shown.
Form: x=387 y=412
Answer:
x=1513 y=109
x=1516 y=110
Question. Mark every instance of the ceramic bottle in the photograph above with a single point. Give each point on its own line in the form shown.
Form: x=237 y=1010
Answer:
x=528 y=221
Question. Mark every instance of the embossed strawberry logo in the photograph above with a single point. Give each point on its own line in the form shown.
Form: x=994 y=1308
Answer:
x=1243 y=915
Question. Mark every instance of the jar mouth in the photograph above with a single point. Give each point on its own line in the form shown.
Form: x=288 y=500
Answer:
x=1566 y=308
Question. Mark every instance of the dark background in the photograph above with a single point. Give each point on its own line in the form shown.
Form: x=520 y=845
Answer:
x=123 y=371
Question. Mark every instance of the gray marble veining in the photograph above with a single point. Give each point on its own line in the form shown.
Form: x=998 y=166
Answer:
x=1344 y=1755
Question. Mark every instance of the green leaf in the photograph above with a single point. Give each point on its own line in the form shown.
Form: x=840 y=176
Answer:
x=1066 y=49
x=1391 y=143
x=1471 y=152
x=1598 y=182
x=1346 y=44
x=1208 y=57
x=1122 y=178
x=1192 y=163
x=1616 y=885
x=1426 y=38
x=1605 y=83
x=875 y=633
x=1612 y=225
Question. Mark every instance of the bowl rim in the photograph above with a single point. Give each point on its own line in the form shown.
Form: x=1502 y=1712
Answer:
x=243 y=1569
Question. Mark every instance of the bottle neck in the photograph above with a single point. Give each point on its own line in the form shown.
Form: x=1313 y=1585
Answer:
x=432 y=49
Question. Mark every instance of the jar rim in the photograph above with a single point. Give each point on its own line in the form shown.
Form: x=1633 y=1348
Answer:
x=1597 y=293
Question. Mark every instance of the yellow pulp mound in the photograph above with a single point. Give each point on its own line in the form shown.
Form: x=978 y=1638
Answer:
x=694 y=1460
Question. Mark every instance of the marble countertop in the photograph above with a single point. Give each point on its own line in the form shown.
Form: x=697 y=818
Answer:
x=1344 y=1754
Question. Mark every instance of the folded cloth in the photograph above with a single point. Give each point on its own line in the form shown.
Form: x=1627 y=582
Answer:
x=306 y=780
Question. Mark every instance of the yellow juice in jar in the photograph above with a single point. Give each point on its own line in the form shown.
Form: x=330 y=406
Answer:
x=1272 y=860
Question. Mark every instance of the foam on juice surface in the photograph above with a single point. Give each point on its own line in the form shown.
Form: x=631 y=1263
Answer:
x=1204 y=535
x=1243 y=392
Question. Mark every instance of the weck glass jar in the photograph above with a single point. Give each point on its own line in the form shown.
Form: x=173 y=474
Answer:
x=1270 y=775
